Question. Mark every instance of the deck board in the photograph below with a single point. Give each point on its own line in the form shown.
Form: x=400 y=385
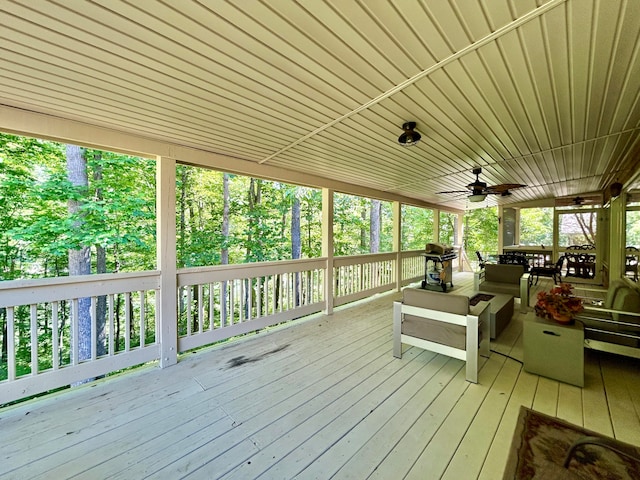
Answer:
x=320 y=398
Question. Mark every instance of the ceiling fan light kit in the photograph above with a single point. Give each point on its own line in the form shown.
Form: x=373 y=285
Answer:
x=410 y=137
x=477 y=197
x=479 y=190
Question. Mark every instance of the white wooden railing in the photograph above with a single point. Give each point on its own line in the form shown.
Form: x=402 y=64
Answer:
x=216 y=303
x=44 y=315
x=412 y=266
x=41 y=318
x=360 y=276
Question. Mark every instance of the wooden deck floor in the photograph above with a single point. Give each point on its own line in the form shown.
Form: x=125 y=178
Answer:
x=320 y=399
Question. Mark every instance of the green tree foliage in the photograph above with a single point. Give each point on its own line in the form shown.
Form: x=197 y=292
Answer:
x=113 y=213
x=37 y=228
x=417 y=227
x=352 y=225
x=114 y=218
x=536 y=226
x=448 y=225
x=28 y=165
x=259 y=218
x=633 y=228
x=481 y=232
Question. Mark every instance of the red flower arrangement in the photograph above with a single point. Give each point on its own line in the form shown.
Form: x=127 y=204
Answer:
x=558 y=304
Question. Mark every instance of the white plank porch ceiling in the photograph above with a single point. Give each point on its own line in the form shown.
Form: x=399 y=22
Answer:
x=544 y=93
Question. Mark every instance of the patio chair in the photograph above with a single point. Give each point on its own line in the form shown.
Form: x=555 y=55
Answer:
x=514 y=259
x=552 y=271
x=631 y=263
x=580 y=265
x=613 y=325
x=481 y=261
x=442 y=323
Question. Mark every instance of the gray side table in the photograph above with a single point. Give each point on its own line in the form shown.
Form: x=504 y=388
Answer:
x=554 y=350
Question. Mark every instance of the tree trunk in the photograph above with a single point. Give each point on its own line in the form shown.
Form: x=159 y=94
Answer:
x=4 y=352
x=254 y=199
x=182 y=227
x=101 y=266
x=374 y=226
x=363 y=231
x=296 y=245
x=80 y=258
x=224 y=251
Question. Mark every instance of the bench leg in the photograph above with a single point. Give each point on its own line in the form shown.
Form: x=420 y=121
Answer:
x=397 y=329
x=472 y=350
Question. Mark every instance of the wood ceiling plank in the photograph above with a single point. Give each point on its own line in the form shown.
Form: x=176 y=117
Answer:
x=217 y=40
x=396 y=17
x=602 y=52
x=171 y=71
x=580 y=45
x=520 y=74
x=547 y=102
x=49 y=78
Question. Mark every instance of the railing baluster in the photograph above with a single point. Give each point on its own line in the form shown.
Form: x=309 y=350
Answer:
x=94 y=327
x=211 y=307
x=127 y=321
x=112 y=331
x=189 y=306
x=11 y=345
x=143 y=330
x=34 y=338
x=200 y=310
x=232 y=302
x=75 y=341
x=55 y=346
x=274 y=300
x=259 y=310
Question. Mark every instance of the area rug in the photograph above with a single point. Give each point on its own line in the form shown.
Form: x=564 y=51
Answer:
x=540 y=444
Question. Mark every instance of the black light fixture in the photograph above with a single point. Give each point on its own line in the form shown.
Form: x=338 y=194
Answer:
x=477 y=197
x=409 y=137
x=615 y=189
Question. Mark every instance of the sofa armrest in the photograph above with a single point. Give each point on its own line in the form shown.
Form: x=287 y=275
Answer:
x=477 y=278
x=525 y=287
x=397 y=329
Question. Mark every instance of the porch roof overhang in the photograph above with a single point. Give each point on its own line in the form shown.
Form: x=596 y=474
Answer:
x=538 y=93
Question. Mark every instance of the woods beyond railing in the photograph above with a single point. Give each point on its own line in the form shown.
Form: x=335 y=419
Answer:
x=61 y=331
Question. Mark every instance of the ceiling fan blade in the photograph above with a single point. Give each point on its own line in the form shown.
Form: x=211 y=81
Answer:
x=503 y=187
x=478 y=187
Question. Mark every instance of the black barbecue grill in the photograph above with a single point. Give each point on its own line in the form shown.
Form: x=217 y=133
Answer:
x=438 y=270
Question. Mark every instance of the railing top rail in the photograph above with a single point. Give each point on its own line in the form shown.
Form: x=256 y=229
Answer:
x=31 y=291
x=411 y=253
x=198 y=275
x=365 y=258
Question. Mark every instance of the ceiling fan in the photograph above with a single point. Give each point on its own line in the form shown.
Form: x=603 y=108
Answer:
x=586 y=199
x=479 y=190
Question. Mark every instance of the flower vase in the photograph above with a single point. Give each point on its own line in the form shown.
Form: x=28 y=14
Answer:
x=564 y=319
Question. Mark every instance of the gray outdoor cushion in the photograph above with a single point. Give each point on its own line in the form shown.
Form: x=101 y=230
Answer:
x=503 y=273
x=434 y=330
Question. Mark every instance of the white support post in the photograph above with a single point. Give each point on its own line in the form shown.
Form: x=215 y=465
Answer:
x=517 y=227
x=460 y=236
x=166 y=258
x=397 y=242
x=500 y=228
x=617 y=230
x=327 y=248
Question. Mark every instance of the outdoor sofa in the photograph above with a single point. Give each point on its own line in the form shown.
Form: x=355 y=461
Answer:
x=504 y=278
x=614 y=325
x=443 y=323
